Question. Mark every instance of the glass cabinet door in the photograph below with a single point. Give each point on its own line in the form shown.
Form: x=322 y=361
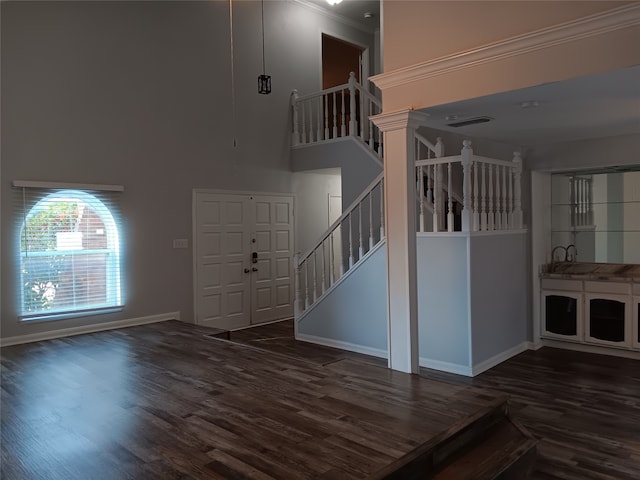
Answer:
x=562 y=315
x=607 y=319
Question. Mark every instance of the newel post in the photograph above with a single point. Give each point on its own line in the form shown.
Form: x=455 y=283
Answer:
x=467 y=160
x=352 y=105
x=439 y=148
x=295 y=135
x=297 y=304
x=517 y=190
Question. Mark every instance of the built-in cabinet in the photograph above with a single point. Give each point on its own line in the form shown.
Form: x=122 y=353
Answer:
x=604 y=313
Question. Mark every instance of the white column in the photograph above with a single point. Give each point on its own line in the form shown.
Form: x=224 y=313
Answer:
x=400 y=214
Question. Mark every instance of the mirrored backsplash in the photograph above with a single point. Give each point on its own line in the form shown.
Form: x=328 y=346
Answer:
x=599 y=213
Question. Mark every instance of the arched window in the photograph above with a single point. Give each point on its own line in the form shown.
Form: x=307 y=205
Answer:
x=69 y=255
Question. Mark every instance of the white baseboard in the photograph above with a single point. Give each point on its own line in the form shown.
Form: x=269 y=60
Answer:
x=581 y=347
x=352 y=347
x=98 y=327
x=501 y=357
x=446 y=366
x=537 y=345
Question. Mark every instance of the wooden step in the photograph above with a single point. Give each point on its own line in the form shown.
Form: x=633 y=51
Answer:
x=487 y=445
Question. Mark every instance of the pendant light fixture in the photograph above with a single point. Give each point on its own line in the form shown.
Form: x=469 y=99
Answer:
x=264 y=80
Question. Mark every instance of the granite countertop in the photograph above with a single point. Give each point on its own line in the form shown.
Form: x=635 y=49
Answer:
x=591 y=271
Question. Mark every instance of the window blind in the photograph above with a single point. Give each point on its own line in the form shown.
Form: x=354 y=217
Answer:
x=68 y=249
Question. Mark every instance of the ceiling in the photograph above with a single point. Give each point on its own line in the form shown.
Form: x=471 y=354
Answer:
x=593 y=106
x=353 y=10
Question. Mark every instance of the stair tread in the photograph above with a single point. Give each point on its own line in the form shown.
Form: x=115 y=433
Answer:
x=504 y=445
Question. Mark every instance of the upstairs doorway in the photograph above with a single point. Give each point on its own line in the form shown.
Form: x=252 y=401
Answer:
x=339 y=59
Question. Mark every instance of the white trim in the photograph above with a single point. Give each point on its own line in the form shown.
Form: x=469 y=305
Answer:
x=446 y=366
x=74 y=186
x=590 y=26
x=499 y=358
x=581 y=347
x=98 y=327
x=483 y=233
x=249 y=193
x=537 y=345
x=352 y=347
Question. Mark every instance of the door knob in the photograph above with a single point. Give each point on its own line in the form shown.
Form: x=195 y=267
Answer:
x=246 y=270
x=254 y=269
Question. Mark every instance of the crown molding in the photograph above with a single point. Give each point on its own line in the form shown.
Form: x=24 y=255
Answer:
x=590 y=26
x=334 y=16
x=401 y=119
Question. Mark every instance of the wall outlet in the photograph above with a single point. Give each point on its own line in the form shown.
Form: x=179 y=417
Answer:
x=181 y=243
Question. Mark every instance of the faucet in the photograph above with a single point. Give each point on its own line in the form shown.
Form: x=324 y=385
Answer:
x=569 y=257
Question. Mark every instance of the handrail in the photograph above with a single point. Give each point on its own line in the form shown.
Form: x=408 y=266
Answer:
x=438 y=161
x=344 y=215
x=429 y=145
x=309 y=96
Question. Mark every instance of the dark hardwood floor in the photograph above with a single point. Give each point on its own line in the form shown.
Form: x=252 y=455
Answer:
x=164 y=401
x=583 y=408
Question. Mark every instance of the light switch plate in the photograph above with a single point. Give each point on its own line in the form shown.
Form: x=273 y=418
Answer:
x=181 y=243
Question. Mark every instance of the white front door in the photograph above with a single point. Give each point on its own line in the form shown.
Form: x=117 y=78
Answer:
x=243 y=251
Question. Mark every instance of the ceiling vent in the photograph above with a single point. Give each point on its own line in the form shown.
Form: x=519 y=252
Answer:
x=471 y=121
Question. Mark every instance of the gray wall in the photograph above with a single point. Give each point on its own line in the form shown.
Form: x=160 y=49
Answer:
x=356 y=311
x=498 y=296
x=358 y=167
x=138 y=94
x=443 y=306
x=312 y=191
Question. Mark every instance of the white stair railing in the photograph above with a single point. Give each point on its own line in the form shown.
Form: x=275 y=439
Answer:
x=491 y=192
x=341 y=247
x=336 y=112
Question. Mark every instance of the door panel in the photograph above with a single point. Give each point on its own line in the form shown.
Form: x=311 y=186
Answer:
x=229 y=230
x=223 y=295
x=272 y=292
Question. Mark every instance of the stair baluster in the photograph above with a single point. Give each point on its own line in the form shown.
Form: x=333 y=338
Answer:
x=319 y=119
x=421 y=198
x=315 y=275
x=306 y=285
x=326 y=117
x=343 y=123
x=517 y=160
x=491 y=217
x=324 y=282
x=483 y=213
x=350 y=240
x=335 y=116
x=371 y=220
x=505 y=205
x=476 y=192
x=360 y=237
x=450 y=216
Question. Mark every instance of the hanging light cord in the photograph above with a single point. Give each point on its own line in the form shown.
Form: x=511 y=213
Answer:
x=233 y=82
x=263 y=67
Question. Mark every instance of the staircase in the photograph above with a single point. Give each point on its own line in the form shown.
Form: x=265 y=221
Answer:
x=464 y=203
